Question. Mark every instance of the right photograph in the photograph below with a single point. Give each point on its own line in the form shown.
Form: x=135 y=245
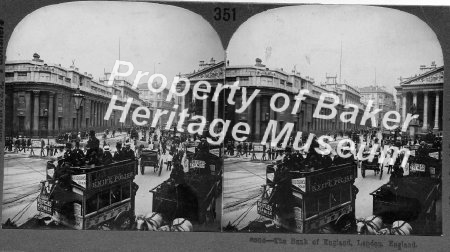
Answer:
x=340 y=116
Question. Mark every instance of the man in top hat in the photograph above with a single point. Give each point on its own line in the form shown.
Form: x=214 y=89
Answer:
x=93 y=146
x=93 y=143
x=118 y=155
x=68 y=153
x=77 y=155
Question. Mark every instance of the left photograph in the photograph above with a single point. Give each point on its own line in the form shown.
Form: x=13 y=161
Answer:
x=103 y=129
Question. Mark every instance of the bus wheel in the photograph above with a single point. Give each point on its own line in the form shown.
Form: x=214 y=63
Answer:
x=123 y=221
x=345 y=223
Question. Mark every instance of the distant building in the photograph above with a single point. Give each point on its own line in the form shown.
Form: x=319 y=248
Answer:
x=39 y=99
x=425 y=92
x=157 y=101
x=348 y=94
x=269 y=82
x=380 y=98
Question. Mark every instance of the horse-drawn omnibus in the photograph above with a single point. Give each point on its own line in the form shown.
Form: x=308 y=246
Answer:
x=94 y=197
x=312 y=199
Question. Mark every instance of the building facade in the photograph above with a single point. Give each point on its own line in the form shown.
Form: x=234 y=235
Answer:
x=422 y=94
x=39 y=99
x=269 y=82
x=380 y=98
x=157 y=101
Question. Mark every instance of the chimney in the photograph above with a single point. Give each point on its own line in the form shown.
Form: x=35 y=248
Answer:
x=259 y=63
x=202 y=63
x=36 y=57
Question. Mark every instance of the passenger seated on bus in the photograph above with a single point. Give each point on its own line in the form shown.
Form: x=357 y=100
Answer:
x=128 y=153
x=93 y=146
x=326 y=161
x=107 y=156
x=118 y=155
x=62 y=176
x=299 y=161
x=77 y=155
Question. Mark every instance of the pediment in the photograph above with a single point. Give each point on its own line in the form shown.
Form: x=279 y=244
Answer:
x=432 y=77
x=213 y=72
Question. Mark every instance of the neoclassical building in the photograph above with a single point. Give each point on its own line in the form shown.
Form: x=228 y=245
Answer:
x=423 y=94
x=39 y=99
x=269 y=82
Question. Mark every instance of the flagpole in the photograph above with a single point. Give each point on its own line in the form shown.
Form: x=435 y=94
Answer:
x=340 y=66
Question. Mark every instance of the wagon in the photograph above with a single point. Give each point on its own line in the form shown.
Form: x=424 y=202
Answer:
x=195 y=199
x=411 y=199
x=374 y=165
x=95 y=197
x=149 y=158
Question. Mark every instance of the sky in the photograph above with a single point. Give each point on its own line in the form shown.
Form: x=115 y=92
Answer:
x=377 y=43
x=153 y=37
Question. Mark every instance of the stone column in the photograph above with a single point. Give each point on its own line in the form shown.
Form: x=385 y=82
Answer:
x=436 y=113
x=403 y=107
x=97 y=115
x=56 y=117
x=27 y=113
x=36 y=113
x=397 y=104
x=258 y=118
x=205 y=108
x=51 y=95
x=425 y=110
x=271 y=112
x=216 y=109
x=415 y=98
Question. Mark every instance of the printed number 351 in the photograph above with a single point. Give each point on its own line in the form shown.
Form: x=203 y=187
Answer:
x=225 y=14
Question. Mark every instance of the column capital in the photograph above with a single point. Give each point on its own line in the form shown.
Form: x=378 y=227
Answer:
x=36 y=92
x=51 y=94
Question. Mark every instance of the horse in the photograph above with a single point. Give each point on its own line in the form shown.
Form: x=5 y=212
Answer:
x=398 y=228
x=369 y=225
x=153 y=221
x=140 y=221
x=181 y=225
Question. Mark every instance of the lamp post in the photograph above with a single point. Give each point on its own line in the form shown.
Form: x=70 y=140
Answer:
x=79 y=97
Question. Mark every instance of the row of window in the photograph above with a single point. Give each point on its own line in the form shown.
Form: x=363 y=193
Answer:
x=108 y=197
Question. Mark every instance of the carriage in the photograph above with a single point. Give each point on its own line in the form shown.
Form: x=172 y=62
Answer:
x=197 y=201
x=411 y=199
x=318 y=200
x=100 y=197
x=371 y=165
x=149 y=158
